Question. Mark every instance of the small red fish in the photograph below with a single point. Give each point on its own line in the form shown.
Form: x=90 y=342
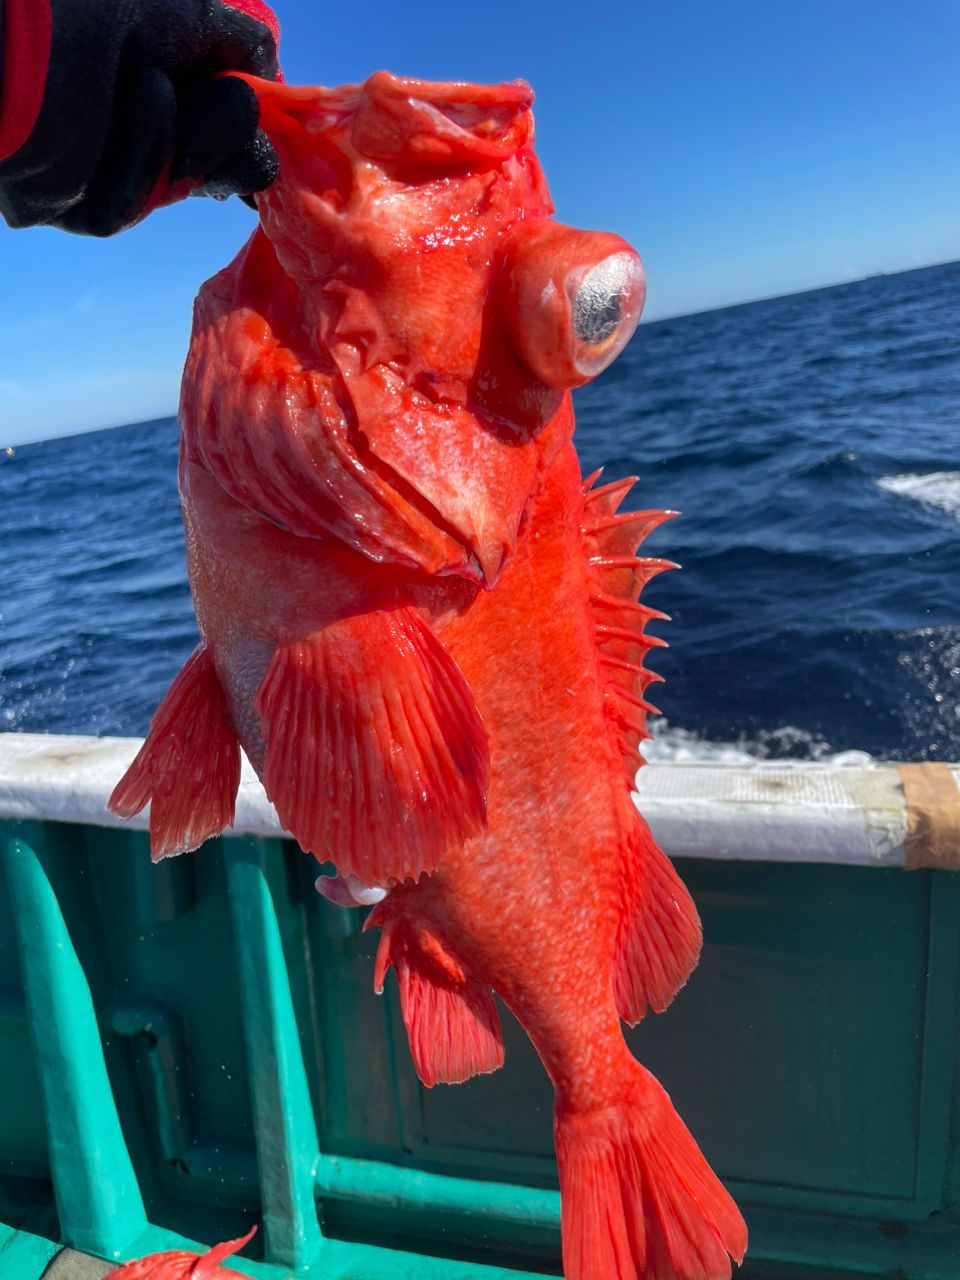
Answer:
x=423 y=626
x=178 y=1265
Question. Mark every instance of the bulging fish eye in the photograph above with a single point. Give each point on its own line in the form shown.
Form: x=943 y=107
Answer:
x=570 y=299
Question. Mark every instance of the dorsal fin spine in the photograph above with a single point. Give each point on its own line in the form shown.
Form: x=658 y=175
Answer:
x=610 y=540
x=624 y=664
x=632 y=562
x=606 y=528
x=609 y=601
x=634 y=722
x=635 y=700
x=608 y=496
x=626 y=705
x=629 y=634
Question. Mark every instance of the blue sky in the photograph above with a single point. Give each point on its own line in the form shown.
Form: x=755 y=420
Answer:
x=746 y=149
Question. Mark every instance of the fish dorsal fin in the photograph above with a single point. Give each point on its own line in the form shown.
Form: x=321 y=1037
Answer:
x=617 y=576
x=205 y=1268
x=376 y=756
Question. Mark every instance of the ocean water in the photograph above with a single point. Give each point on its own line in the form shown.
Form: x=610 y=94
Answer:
x=812 y=444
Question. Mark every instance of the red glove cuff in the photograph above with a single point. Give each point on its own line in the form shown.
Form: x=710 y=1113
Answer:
x=262 y=13
x=27 y=31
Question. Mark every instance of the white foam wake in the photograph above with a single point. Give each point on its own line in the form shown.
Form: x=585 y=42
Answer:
x=672 y=745
x=935 y=489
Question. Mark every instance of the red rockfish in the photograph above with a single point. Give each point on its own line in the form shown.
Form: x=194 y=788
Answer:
x=176 y=1264
x=423 y=626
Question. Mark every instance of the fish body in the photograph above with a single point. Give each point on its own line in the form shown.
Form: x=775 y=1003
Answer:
x=422 y=624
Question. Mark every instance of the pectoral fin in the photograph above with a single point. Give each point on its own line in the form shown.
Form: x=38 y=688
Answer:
x=188 y=769
x=376 y=757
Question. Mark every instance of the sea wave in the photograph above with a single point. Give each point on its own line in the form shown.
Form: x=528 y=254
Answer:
x=818 y=473
x=671 y=744
x=936 y=489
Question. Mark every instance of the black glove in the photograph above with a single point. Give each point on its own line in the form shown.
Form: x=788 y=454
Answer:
x=135 y=113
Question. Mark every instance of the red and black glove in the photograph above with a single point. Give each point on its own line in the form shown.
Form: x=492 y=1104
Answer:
x=109 y=108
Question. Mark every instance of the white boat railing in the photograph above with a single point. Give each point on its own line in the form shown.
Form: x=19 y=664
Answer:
x=878 y=815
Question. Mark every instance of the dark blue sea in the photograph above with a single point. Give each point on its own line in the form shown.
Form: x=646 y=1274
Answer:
x=811 y=442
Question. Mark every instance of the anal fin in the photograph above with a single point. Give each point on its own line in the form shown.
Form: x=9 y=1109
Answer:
x=452 y=1022
x=660 y=935
x=376 y=756
x=188 y=769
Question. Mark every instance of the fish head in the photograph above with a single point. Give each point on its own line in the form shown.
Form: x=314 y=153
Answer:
x=454 y=311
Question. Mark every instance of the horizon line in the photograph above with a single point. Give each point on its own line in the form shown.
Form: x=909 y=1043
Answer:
x=797 y=293
x=10 y=450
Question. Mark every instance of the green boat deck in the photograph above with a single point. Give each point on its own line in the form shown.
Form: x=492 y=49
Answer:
x=191 y=1048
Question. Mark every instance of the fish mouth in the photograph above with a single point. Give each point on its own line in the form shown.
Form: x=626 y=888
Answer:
x=439 y=124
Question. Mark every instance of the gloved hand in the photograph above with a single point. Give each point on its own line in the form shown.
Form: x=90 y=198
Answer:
x=133 y=112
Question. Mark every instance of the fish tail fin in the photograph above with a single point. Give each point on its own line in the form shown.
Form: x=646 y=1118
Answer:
x=188 y=769
x=451 y=1019
x=638 y=1199
x=660 y=935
